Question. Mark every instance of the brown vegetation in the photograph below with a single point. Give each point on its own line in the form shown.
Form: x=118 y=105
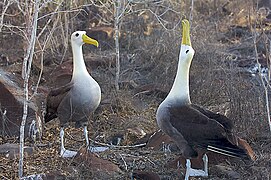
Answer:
x=222 y=79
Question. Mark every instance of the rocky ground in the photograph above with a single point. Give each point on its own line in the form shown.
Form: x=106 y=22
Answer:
x=224 y=78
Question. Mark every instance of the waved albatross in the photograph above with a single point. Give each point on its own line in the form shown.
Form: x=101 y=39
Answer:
x=191 y=126
x=75 y=101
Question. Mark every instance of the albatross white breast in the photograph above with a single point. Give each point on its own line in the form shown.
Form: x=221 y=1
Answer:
x=192 y=126
x=75 y=101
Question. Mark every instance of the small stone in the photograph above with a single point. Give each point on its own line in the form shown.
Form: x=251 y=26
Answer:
x=12 y=151
x=228 y=171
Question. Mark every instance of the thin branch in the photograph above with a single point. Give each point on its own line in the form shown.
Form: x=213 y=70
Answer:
x=191 y=13
x=116 y=146
x=117 y=8
x=262 y=79
x=75 y=10
x=125 y=164
x=5 y=8
x=159 y=19
x=48 y=22
x=27 y=69
x=4 y=119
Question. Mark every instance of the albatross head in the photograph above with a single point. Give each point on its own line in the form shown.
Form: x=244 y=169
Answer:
x=180 y=89
x=186 y=51
x=80 y=37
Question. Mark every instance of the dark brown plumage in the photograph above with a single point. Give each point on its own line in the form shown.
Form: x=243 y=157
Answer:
x=191 y=126
x=54 y=98
x=75 y=101
x=211 y=131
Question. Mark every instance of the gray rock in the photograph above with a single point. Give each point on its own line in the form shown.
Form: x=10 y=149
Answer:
x=11 y=108
x=12 y=151
x=228 y=172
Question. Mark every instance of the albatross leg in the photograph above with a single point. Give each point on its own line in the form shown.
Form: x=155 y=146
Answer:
x=63 y=152
x=205 y=161
x=86 y=135
x=92 y=148
x=196 y=172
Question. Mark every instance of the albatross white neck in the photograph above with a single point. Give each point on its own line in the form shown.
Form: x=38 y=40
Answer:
x=180 y=89
x=79 y=67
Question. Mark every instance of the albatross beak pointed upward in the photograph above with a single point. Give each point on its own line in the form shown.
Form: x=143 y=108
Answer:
x=89 y=40
x=186 y=35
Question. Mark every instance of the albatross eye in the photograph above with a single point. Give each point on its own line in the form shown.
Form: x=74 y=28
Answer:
x=186 y=51
x=77 y=34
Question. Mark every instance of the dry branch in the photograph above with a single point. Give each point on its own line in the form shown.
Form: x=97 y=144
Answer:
x=117 y=13
x=265 y=83
x=26 y=74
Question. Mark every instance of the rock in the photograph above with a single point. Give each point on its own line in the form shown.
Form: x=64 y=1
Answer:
x=133 y=134
x=95 y=163
x=61 y=75
x=161 y=141
x=228 y=172
x=11 y=108
x=145 y=175
x=12 y=151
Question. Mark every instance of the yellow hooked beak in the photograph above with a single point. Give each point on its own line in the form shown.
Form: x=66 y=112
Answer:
x=186 y=33
x=89 y=40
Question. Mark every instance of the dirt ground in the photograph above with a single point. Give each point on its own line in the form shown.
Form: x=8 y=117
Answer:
x=223 y=78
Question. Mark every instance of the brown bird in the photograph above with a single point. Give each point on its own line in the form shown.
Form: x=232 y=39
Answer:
x=192 y=126
x=75 y=101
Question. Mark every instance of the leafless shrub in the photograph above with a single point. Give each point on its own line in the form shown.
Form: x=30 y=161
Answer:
x=149 y=43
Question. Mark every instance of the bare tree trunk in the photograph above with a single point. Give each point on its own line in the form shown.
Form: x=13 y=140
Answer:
x=26 y=73
x=119 y=10
x=265 y=82
x=191 y=12
x=265 y=86
x=117 y=7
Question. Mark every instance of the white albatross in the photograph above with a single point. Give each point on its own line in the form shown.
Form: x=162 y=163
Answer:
x=192 y=127
x=77 y=100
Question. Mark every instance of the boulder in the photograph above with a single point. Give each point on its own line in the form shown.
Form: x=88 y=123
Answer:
x=145 y=175
x=11 y=108
x=95 y=166
x=95 y=163
x=160 y=141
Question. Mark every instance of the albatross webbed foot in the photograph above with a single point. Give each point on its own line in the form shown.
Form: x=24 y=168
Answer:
x=64 y=152
x=196 y=172
x=97 y=148
x=166 y=148
x=93 y=148
x=67 y=153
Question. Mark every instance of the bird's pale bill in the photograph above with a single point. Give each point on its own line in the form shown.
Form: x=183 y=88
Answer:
x=89 y=40
x=186 y=32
